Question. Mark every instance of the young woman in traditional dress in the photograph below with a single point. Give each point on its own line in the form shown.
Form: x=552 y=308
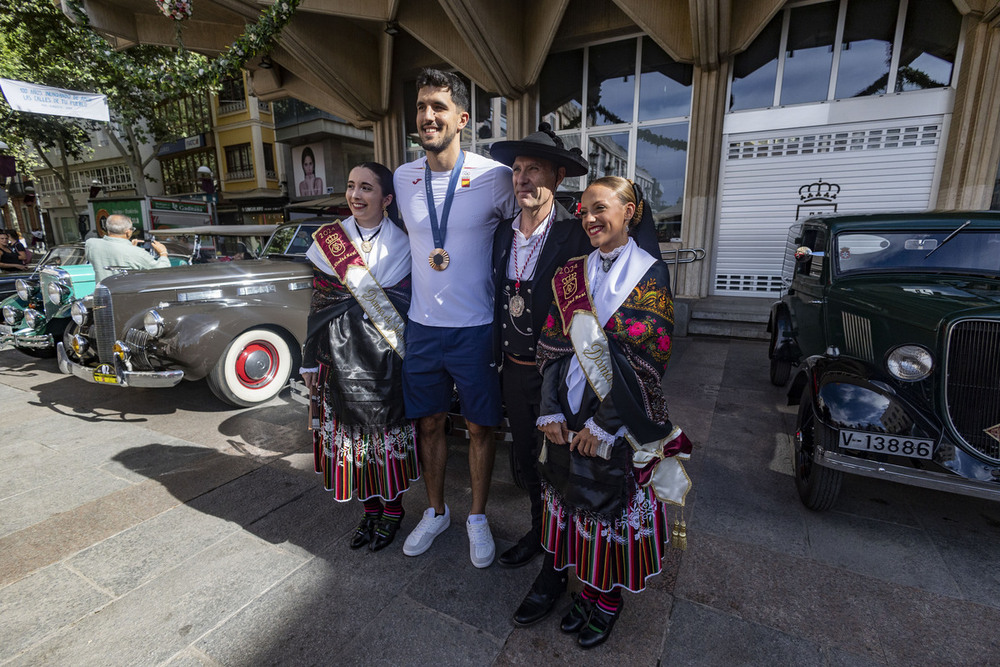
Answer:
x=363 y=444
x=602 y=354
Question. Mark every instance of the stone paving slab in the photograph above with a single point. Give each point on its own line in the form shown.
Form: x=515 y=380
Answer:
x=155 y=621
x=28 y=616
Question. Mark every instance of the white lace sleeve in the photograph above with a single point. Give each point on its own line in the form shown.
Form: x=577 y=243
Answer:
x=606 y=440
x=550 y=419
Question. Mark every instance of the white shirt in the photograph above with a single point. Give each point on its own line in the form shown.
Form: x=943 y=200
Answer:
x=462 y=294
x=526 y=259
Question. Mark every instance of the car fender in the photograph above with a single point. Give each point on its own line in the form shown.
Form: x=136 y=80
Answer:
x=196 y=334
x=784 y=346
x=845 y=397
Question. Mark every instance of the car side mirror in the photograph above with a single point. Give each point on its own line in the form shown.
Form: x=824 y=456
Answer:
x=802 y=253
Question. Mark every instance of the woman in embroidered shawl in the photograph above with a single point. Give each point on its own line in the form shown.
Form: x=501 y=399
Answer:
x=631 y=298
x=363 y=446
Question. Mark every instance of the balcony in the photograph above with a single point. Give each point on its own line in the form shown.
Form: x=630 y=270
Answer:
x=232 y=106
x=239 y=175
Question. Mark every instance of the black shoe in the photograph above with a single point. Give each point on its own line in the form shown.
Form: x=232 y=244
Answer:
x=597 y=631
x=578 y=615
x=521 y=553
x=537 y=604
x=385 y=532
x=363 y=533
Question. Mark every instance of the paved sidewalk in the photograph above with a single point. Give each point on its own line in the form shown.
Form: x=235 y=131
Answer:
x=156 y=527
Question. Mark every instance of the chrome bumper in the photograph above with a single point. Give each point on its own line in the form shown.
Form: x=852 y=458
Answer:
x=926 y=479
x=123 y=376
x=34 y=341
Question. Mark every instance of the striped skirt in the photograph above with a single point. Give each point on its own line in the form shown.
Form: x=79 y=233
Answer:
x=364 y=462
x=625 y=552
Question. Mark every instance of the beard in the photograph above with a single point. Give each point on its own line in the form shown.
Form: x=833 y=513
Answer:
x=439 y=142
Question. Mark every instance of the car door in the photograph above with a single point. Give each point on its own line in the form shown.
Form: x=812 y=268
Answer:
x=807 y=296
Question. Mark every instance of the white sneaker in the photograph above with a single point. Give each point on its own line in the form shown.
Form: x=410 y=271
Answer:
x=481 y=546
x=422 y=536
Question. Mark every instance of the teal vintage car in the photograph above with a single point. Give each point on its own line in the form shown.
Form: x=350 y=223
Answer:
x=889 y=328
x=28 y=321
x=37 y=315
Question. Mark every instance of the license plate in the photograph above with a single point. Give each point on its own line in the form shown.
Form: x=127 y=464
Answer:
x=6 y=329
x=106 y=374
x=885 y=443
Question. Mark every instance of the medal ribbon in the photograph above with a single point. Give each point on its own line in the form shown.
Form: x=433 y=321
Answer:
x=438 y=232
x=535 y=244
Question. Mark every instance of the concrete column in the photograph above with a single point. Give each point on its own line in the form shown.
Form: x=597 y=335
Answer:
x=701 y=186
x=973 y=149
x=522 y=115
x=388 y=138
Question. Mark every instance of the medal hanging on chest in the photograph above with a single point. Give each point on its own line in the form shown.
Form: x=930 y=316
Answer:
x=439 y=259
x=366 y=243
x=516 y=303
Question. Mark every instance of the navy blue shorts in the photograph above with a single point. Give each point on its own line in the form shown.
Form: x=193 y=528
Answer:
x=440 y=358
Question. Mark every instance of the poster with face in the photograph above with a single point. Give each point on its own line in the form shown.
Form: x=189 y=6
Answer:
x=308 y=169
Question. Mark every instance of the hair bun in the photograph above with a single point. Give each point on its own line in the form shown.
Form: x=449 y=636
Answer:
x=545 y=127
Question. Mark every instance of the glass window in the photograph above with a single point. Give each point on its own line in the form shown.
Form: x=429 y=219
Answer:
x=269 y=162
x=664 y=85
x=755 y=71
x=560 y=92
x=232 y=96
x=611 y=83
x=866 y=50
x=660 y=161
x=239 y=162
x=572 y=183
x=809 y=53
x=608 y=155
x=930 y=42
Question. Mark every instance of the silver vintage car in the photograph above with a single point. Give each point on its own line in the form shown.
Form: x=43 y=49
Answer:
x=239 y=324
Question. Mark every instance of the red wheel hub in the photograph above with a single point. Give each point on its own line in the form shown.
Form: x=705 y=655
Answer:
x=257 y=364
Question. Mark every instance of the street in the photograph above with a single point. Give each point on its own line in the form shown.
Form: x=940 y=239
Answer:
x=160 y=527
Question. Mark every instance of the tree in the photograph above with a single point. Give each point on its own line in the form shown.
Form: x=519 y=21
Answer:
x=40 y=44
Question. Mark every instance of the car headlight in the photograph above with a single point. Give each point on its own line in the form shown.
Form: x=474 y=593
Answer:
x=910 y=363
x=24 y=289
x=79 y=344
x=34 y=318
x=56 y=292
x=153 y=323
x=79 y=313
x=12 y=315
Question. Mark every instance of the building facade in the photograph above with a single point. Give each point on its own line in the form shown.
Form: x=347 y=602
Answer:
x=737 y=117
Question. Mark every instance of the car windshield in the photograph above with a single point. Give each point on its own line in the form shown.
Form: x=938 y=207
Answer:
x=291 y=239
x=971 y=251
x=63 y=256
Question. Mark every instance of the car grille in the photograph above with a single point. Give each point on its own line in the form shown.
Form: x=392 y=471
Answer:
x=138 y=342
x=973 y=383
x=104 y=325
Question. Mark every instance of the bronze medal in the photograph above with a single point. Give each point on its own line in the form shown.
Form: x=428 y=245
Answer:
x=366 y=246
x=439 y=259
x=516 y=305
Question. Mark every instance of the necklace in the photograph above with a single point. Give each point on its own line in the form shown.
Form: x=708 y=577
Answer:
x=366 y=243
x=517 y=301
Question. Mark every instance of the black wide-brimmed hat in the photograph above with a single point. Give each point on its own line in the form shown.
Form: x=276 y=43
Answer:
x=543 y=144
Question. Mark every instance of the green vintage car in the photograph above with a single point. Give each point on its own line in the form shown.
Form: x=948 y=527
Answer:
x=890 y=330
x=37 y=315
x=31 y=322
